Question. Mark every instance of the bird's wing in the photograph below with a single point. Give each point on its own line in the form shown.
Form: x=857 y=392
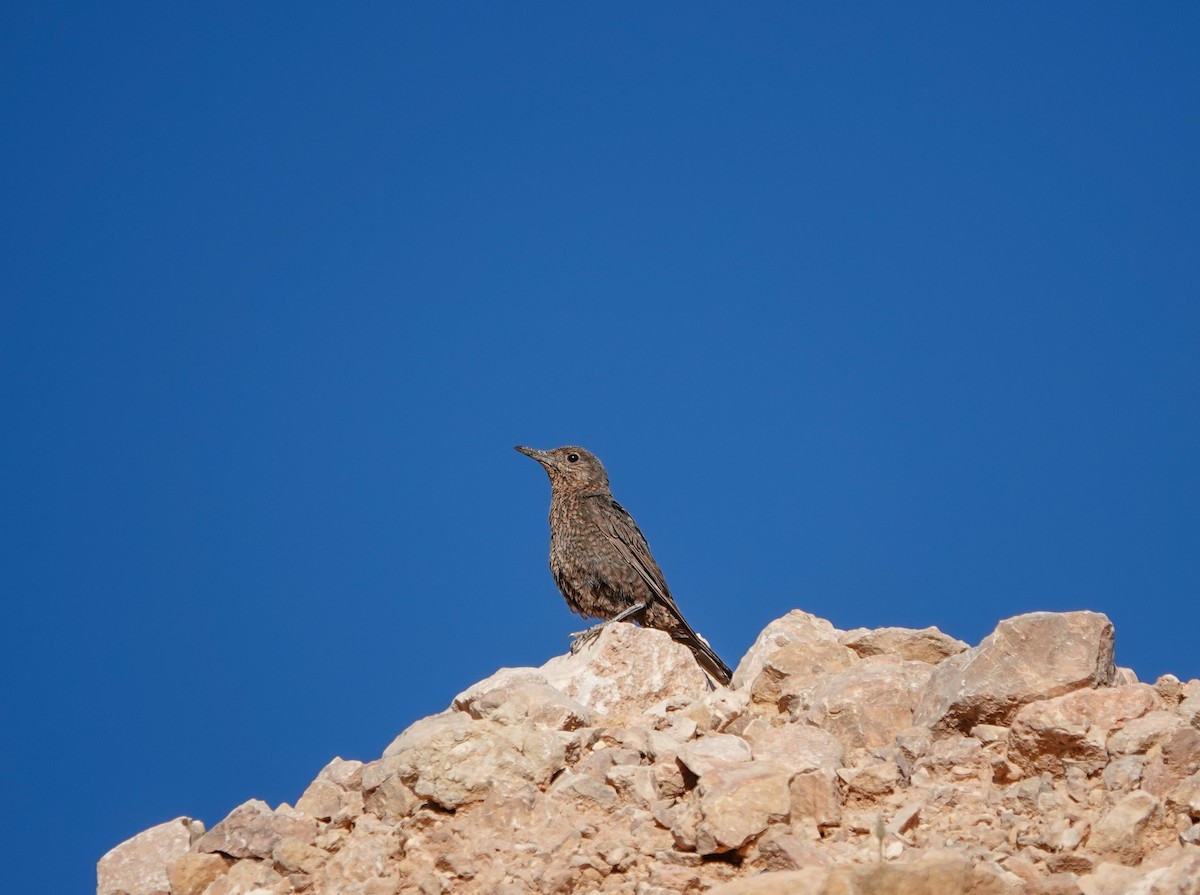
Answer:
x=623 y=533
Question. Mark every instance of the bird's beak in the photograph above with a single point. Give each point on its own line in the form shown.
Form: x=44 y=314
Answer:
x=542 y=457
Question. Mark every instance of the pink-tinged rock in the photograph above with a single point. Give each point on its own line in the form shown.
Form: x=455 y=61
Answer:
x=866 y=705
x=364 y=865
x=710 y=752
x=192 y=873
x=625 y=671
x=1123 y=832
x=1030 y=657
x=797 y=627
x=138 y=866
x=1176 y=758
x=521 y=697
x=452 y=760
x=816 y=798
x=933 y=873
x=1075 y=727
x=1137 y=736
x=385 y=793
x=926 y=645
x=252 y=830
x=738 y=802
x=798 y=747
x=336 y=793
x=929 y=874
x=809 y=881
x=873 y=780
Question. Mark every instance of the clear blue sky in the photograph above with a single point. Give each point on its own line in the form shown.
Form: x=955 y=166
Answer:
x=888 y=312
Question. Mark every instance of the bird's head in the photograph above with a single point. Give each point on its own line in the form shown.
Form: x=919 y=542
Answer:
x=571 y=469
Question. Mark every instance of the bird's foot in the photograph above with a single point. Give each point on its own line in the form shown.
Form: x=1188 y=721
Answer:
x=580 y=639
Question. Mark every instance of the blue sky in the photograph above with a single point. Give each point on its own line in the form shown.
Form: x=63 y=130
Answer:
x=887 y=312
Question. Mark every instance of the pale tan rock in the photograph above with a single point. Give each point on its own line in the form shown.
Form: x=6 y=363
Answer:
x=925 y=645
x=1075 y=727
x=779 y=848
x=452 y=760
x=634 y=784
x=938 y=873
x=1122 y=832
x=1109 y=878
x=736 y=803
x=249 y=876
x=816 y=798
x=866 y=705
x=809 y=881
x=192 y=872
x=872 y=780
x=1175 y=759
x=138 y=866
x=1041 y=655
x=364 y=865
x=624 y=671
x=798 y=747
x=1137 y=736
x=703 y=755
x=797 y=626
x=295 y=856
x=523 y=700
x=788 y=672
x=252 y=830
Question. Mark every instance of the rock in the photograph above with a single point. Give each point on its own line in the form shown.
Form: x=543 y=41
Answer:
x=516 y=697
x=1027 y=658
x=737 y=802
x=191 y=873
x=1074 y=727
x=1176 y=758
x=1122 y=832
x=138 y=866
x=703 y=755
x=625 y=671
x=824 y=769
x=816 y=798
x=797 y=626
x=926 y=645
x=875 y=779
x=453 y=760
x=797 y=747
x=809 y=881
x=252 y=830
x=865 y=706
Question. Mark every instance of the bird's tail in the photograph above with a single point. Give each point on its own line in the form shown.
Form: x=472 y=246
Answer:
x=705 y=656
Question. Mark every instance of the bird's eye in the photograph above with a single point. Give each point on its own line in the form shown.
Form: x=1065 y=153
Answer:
x=572 y=458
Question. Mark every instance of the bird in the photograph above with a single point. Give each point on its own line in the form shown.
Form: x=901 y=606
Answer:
x=601 y=561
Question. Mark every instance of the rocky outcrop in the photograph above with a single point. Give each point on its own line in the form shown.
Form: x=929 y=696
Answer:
x=894 y=760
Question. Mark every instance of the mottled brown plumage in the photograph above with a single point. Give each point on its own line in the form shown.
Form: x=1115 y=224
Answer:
x=600 y=559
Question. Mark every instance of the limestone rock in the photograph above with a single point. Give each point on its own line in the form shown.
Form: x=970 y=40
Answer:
x=1123 y=830
x=703 y=755
x=866 y=705
x=797 y=747
x=517 y=697
x=453 y=760
x=1040 y=655
x=797 y=626
x=138 y=866
x=625 y=671
x=252 y=830
x=192 y=872
x=1075 y=727
x=926 y=645
x=737 y=802
x=838 y=763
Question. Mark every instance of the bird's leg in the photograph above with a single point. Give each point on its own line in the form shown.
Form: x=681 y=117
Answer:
x=583 y=637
